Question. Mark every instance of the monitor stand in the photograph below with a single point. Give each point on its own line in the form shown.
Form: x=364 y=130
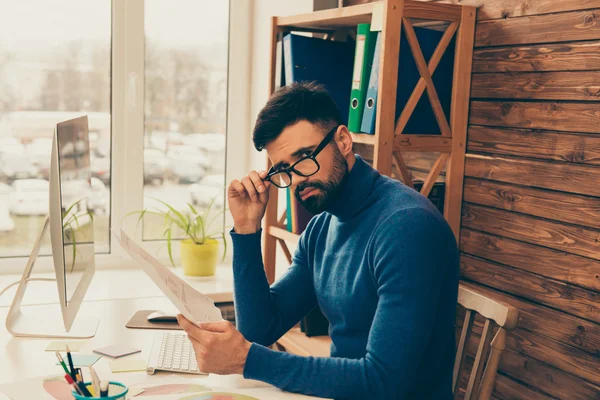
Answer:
x=43 y=325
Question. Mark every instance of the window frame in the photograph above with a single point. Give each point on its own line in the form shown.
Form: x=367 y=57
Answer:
x=127 y=116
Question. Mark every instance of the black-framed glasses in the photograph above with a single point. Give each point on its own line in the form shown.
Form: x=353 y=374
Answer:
x=306 y=166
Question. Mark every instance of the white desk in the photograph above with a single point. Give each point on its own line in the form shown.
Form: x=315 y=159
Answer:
x=23 y=358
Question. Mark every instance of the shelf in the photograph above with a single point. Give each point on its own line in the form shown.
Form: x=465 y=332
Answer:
x=296 y=342
x=332 y=18
x=283 y=234
x=353 y=15
x=363 y=138
x=423 y=143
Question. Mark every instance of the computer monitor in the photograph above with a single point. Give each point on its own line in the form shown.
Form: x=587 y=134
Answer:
x=71 y=226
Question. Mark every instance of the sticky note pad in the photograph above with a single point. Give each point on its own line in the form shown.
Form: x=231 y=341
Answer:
x=80 y=360
x=116 y=351
x=62 y=346
x=127 y=365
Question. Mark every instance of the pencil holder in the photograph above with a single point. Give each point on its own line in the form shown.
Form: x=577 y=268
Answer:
x=116 y=391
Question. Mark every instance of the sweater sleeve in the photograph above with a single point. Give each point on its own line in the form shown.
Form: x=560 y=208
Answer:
x=263 y=313
x=408 y=276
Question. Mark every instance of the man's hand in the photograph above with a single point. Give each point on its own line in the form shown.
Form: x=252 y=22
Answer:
x=220 y=348
x=248 y=201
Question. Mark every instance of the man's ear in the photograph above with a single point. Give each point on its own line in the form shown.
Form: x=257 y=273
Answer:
x=343 y=139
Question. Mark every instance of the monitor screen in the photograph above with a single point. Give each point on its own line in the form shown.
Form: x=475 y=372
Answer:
x=75 y=189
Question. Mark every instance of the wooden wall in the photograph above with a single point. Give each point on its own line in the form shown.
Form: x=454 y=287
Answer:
x=531 y=211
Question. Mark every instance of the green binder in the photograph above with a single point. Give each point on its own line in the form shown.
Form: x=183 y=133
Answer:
x=363 y=59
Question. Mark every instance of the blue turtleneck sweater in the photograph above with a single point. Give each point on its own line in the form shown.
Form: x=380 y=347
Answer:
x=382 y=264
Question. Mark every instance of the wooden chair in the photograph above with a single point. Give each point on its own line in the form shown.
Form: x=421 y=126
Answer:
x=506 y=317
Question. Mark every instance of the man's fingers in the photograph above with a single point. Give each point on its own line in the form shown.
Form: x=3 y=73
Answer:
x=257 y=181
x=250 y=189
x=236 y=188
x=221 y=326
x=191 y=329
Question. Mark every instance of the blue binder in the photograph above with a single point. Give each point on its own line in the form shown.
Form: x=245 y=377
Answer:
x=370 y=112
x=325 y=61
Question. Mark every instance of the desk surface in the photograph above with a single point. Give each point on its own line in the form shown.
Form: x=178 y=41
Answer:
x=24 y=358
x=112 y=284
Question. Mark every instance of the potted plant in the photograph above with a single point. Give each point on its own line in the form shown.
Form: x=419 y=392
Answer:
x=199 y=250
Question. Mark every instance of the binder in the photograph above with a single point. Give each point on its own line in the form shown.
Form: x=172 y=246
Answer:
x=327 y=62
x=363 y=58
x=370 y=112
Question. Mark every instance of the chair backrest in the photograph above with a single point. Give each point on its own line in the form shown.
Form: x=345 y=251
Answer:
x=481 y=382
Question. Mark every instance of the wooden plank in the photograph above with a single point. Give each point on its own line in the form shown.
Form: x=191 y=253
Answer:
x=547 y=378
x=331 y=18
x=508 y=388
x=549 y=145
x=561 y=356
x=424 y=143
x=403 y=170
x=540 y=375
x=558 y=355
x=286 y=251
x=568 y=238
x=431 y=11
x=423 y=162
x=434 y=174
x=551 y=380
x=512 y=8
x=571 y=117
x=550 y=263
x=434 y=99
x=574 y=331
x=283 y=234
x=556 y=206
x=415 y=96
x=459 y=117
x=270 y=219
x=363 y=138
x=578 y=56
x=571 y=178
x=572 y=299
x=388 y=80
x=576 y=86
x=563 y=27
x=296 y=342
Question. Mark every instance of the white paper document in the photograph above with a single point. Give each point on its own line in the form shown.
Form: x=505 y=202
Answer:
x=194 y=305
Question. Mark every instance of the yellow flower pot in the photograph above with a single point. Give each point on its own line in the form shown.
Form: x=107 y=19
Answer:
x=199 y=259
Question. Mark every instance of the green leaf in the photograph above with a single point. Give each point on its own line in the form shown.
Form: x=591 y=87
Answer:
x=177 y=214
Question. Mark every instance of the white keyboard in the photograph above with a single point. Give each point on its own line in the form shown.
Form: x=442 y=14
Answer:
x=172 y=352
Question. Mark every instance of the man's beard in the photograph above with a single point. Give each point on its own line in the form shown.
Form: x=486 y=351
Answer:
x=329 y=190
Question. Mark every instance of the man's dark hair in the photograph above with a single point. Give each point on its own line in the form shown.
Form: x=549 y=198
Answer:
x=293 y=103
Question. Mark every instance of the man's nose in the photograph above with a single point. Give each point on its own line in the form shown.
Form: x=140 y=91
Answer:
x=297 y=179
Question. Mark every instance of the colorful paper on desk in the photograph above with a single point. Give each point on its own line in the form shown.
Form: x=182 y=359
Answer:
x=40 y=388
x=62 y=346
x=81 y=360
x=194 y=305
x=127 y=365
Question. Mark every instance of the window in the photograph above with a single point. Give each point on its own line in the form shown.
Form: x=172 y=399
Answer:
x=156 y=82
x=185 y=103
x=55 y=64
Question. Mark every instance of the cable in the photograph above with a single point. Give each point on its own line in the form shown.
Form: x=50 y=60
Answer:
x=26 y=280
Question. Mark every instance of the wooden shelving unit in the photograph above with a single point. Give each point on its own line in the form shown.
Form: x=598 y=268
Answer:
x=386 y=146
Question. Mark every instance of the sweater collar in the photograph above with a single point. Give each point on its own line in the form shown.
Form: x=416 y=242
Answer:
x=355 y=190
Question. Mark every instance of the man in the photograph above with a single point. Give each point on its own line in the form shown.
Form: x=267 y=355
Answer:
x=379 y=260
